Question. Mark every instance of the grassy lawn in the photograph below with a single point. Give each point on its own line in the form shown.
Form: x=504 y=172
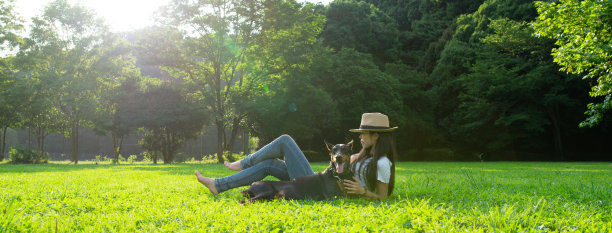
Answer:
x=429 y=197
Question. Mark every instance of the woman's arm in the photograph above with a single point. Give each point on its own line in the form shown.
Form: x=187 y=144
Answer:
x=354 y=157
x=353 y=187
x=381 y=191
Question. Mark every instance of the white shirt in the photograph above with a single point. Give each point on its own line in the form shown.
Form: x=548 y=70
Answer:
x=383 y=173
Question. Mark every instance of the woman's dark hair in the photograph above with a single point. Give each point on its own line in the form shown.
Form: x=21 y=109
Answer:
x=385 y=146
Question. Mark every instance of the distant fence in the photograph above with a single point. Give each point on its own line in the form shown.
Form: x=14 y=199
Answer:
x=92 y=145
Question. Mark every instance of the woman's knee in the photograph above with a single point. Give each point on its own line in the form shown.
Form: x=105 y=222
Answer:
x=285 y=138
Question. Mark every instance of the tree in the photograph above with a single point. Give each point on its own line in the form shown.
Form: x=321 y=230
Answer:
x=214 y=34
x=38 y=113
x=424 y=27
x=357 y=85
x=118 y=79
x=363 y=27
x=418 y=131
x=512 y=95
x=68 y=41
x=460 y=54
x=10 y=104
x=10 y=26
x=168 y=119
x=297 y=107
x=280 y=65
x=230 y=50
x=583 y=34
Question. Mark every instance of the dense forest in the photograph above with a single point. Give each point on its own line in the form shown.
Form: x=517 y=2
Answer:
x=463 y=80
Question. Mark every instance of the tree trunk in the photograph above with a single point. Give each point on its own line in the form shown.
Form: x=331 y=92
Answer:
x=3 y=146
x=220 y=130
x=120 y=145
x=75 y=141
x=554 y=116
x=117 y=142
x=41 y=141
x=230 y=146
x=114 y=138
x=166 y=148
x=29 y=137
x=40 y=137
x=245 y=142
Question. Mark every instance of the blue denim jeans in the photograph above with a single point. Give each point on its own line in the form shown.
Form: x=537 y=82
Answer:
x=267 y=161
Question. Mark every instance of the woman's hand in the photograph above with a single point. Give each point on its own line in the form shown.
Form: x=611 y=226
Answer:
x=354 y=187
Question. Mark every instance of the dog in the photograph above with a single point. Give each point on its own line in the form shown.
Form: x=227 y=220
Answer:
x=328 y=184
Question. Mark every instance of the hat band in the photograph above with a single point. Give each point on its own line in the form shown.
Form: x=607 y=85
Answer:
x=372 y=127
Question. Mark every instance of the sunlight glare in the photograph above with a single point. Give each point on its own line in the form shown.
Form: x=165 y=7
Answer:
x=125 y=15
x=120 y=15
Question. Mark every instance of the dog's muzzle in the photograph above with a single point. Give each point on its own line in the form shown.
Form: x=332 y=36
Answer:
x=339 y=164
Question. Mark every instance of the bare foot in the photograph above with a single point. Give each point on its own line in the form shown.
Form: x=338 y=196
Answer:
x=208 y=182
x=235 y=166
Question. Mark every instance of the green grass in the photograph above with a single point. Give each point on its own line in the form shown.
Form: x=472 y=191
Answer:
x=429 y=197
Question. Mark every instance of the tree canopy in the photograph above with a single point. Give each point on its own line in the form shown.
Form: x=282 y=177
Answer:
x=463 y=80
x=583 y=34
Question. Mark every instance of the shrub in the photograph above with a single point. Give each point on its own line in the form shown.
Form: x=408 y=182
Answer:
x=192 y=160
x=97 y=159
x=132 y=158
x=146 y=156
x=22 y=154
x=119 y=159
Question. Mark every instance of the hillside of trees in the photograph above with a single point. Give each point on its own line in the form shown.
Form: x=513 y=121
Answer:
x=463 y=80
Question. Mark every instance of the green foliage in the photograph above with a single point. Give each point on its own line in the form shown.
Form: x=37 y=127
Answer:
x=425 y=26
x=22 y=154
x=148 y=156
x=429 y=197
x=512 y=68
x=10 y=104
x=363 y=27
x=10 y=26
x=418 y=129
x=582 y=30
x=9 y=217
x=69 y=52
x=357 y=85
x=132 y=158
x=167 y=118
x=229 y=58
x=496 y=90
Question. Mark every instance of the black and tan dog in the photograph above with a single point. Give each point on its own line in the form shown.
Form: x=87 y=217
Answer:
x=328 y=184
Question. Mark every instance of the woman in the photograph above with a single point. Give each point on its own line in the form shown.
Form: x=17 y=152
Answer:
x=374 y=180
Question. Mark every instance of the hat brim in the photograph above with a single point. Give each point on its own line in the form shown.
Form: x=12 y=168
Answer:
x=372 y=130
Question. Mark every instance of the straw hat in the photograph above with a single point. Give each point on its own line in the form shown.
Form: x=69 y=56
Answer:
x=375 y=122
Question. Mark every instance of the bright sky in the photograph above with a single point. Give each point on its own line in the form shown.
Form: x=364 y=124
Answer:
x=120 y=15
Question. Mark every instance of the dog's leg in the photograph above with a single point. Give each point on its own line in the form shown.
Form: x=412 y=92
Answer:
x=268 y=195
x=263 y=190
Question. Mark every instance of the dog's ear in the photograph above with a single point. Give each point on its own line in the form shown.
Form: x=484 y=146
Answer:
x=328 y=145
x=350 y=145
